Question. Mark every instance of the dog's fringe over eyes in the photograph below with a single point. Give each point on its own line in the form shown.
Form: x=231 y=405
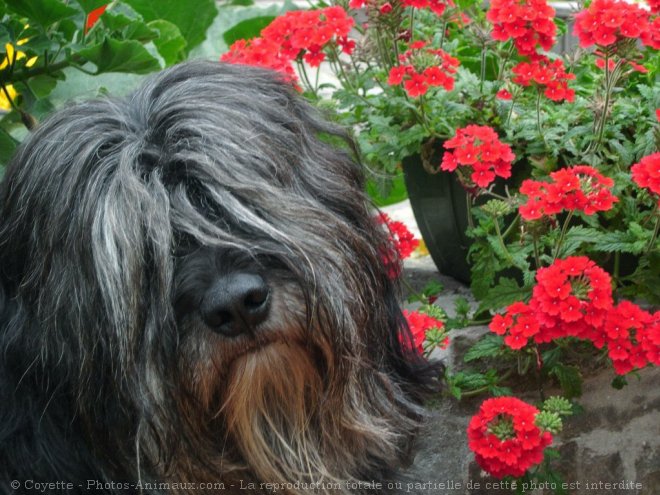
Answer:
x=126 y=225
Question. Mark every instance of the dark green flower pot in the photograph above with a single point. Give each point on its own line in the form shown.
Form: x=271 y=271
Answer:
x=439 y=204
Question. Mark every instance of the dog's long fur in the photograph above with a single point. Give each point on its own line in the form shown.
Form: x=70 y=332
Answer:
x=116 y=216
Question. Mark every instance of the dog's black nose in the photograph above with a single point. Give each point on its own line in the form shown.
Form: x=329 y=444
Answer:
x=236 y=303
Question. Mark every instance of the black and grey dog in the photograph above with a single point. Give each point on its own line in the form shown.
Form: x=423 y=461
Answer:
x=193 y=295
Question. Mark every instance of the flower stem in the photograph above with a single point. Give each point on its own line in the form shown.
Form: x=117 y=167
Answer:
x=508 y=117
x=564 y=229
x=611 y=78
x=501 y=239
x=655 y=232
x=468 y=200
x=537 y=257
x=304 y=76
x=484 y=55
x=538 y=115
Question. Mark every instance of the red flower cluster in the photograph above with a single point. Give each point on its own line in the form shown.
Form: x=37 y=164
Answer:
x=422 y=68
x=646 y=173
x=518 y=323
x=504 y=437
x=579 y=187
x=651 y=37
x=528 y=23
x=262 y=53
x=419 y=324
x=573 y=298
x=632 y=337
x=299 y=33
x=550 y=77
x=436 y=6
x=606 y=22
x=654 y=5
x=402 y=243
x=479 y=148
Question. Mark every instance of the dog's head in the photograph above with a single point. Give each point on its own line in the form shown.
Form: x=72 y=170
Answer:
x=194 y=277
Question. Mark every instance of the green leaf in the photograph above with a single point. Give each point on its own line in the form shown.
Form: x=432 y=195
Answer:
x=192 y=17
x=483 y=272
x=7 y=146
x=42 y=85
x=125 y=23
x=120 y=56
x=489 y=345
x=569 y=378
x=619 y=382
x=171 y=45
x=506 y=292
x=247 y=29
x=89 y=5
x=43 y=12
x=497 y=391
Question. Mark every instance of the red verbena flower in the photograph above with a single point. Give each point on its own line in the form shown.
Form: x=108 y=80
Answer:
x=646 y=173
x=631 y=338
x=529 y=23
x=479 y=149
x=503 y=94
x=436 y=6
x=571 y=298
x=420 y=324
x=518 y=324
x=261 y=52
x=402 y=243
x=549 y=76
x=606 y=22
x=299 y=34
x=422 y=68
x=504 y=437
x=579 y=187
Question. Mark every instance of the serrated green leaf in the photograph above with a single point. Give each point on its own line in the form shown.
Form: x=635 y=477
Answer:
x=576 y=237
x=569 y=378
x=488 y=346
x=43 y=12
x=120 y=56
x=506 y=292
x=483 y=272
x=496 y=391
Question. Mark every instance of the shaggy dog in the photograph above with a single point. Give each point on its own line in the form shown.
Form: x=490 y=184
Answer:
x=194 y=297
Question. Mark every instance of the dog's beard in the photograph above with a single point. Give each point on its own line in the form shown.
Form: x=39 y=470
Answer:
x=272 y=410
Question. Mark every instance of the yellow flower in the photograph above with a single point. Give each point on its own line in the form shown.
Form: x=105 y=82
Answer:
x=5 y=104
x=9 y=48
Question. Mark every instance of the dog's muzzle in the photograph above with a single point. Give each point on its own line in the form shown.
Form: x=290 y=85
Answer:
x=236 y=303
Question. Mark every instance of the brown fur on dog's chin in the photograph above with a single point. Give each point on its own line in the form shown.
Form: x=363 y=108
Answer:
x=281 y=417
